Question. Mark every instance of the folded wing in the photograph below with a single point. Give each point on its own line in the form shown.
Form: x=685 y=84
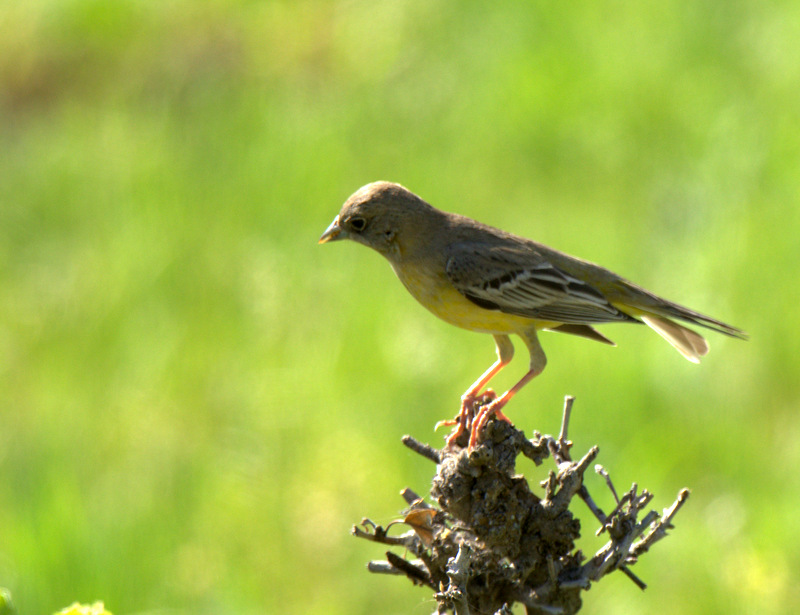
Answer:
x=522 y=282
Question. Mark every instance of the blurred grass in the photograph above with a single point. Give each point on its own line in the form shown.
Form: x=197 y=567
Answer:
x=197 y=401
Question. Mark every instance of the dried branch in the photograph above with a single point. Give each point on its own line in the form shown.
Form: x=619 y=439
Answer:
x=490 y=542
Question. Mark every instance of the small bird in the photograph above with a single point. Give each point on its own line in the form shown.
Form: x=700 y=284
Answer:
x=483 y=279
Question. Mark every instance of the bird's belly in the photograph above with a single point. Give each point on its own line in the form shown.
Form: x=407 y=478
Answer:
x=439 y=296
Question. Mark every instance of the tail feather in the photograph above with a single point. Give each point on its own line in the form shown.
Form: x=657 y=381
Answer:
x=640 y=302
x=690 y=344
x=678 y=311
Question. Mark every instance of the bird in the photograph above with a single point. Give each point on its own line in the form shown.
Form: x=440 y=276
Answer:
x=486 y=280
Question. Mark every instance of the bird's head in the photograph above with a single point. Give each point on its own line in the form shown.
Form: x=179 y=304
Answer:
x=380 y=215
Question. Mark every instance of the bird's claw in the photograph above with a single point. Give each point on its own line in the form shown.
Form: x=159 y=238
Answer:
x=486 y=397
x=470 y=400
x=473 y=406
x=494 y=408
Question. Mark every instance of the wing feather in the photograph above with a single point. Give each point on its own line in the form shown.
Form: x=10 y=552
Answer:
x=520 y=281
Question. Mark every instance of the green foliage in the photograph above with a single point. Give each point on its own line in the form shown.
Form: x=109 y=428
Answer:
x=198 y=401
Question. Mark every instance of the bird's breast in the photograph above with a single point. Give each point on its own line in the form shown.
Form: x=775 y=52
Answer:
x=434 y=291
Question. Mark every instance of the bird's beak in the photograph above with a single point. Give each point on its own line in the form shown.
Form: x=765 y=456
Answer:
x=333 y=233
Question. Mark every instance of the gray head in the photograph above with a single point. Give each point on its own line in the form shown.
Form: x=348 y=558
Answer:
x=380 y=215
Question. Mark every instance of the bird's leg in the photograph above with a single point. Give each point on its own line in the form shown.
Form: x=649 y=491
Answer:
x=505 y=351
x=494 y=408
x=468 y=400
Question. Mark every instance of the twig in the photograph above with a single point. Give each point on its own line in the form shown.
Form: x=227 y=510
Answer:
x=659 y=530
x=379 y=534
x=412 y=499
x=458 y=572
x=562 y=454
x=426 y=450
x=418 y=575
x=602 y=472
x=563 y=441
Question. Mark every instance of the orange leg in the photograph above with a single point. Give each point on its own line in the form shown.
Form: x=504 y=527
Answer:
x=505 y=352
x=538 y=362
x=494 y=408
x=468 y=410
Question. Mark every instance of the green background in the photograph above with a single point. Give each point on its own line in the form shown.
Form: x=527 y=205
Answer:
x=197 y=401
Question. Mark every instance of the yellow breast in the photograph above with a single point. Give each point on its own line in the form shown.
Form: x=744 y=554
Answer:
x=435 y=292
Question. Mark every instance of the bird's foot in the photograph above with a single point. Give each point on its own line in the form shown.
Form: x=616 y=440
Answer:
x=463 y=421
x=484 y=398
x=472 y=405
x=447 y=423
x=494 y=408
x=451 y=441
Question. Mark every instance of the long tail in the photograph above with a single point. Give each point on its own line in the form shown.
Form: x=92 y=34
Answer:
x=690 y=344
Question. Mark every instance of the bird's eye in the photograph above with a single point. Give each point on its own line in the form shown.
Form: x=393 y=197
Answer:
x=357 y=223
